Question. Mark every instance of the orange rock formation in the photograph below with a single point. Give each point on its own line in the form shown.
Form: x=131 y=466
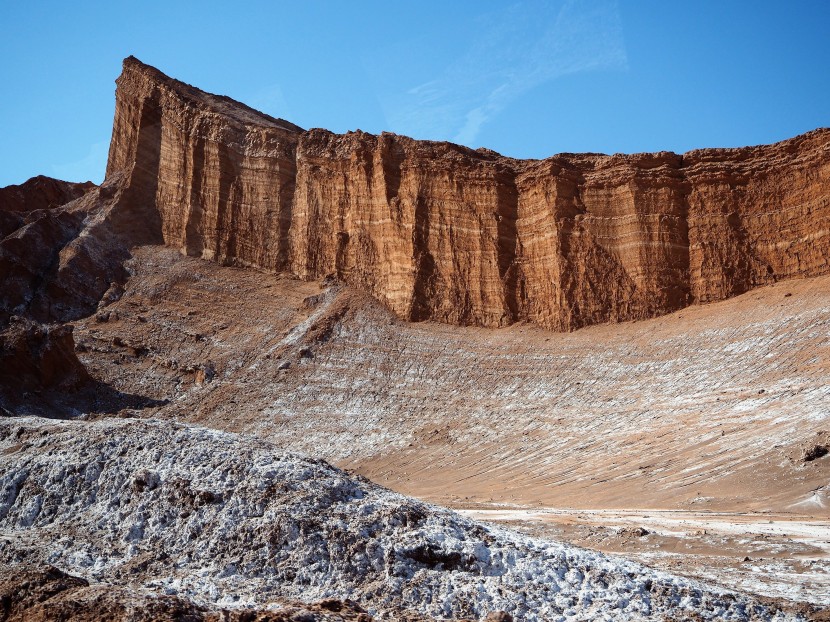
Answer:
x=439 y=231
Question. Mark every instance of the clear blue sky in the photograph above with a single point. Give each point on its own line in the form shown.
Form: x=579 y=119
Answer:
x=528 y=79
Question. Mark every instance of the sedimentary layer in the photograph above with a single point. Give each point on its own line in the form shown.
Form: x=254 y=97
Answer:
x=439 y=231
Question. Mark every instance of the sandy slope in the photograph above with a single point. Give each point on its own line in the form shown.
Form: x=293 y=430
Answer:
x=709 y=408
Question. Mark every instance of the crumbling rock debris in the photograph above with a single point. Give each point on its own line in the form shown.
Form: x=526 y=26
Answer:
x=225 y=517
x=47 y=594
x=633 y=532
x=818 y=447
x=815 y=451
x=811 y=449
x=113 y=294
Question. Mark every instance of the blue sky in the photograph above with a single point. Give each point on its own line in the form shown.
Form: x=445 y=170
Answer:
x=527 y=79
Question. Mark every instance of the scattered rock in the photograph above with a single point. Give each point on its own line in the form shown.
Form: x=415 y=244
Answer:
x=113 y=294
x=205 y=373
x=814 y=452
x=815 y=448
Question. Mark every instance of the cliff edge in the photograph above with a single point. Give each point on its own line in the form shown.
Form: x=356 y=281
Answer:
x=442 y=232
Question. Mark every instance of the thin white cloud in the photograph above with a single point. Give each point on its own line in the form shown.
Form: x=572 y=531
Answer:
x=89 y=168
x=514 y=50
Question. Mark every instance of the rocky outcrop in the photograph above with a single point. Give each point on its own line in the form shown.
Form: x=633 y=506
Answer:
x=38 y=193
x=58 y=263
x=210 y=175
x=438 y=231
x=34 y=358
x=41 y=192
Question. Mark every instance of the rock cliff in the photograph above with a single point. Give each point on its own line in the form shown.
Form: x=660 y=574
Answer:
x=439 y=231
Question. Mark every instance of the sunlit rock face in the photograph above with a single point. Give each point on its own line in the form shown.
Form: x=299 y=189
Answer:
x=442 y=232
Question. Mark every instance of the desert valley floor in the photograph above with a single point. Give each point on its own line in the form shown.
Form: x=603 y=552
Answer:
x=701 y=459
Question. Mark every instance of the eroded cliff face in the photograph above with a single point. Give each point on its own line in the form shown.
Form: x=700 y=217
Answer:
x=438 y=231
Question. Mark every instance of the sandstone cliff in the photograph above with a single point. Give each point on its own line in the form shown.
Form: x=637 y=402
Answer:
x=438 y=231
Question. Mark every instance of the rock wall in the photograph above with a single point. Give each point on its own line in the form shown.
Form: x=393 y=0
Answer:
x=438 y=231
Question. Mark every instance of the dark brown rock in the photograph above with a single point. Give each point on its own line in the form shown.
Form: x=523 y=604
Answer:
x=49 y=594
x=34 y=357
x=41 y=192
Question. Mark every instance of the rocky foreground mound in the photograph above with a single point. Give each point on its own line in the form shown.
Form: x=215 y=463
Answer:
x=231 y=521
x=439 y=231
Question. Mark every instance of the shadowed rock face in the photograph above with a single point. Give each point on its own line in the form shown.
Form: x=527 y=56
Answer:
x=62 y=248
x=33 y=357
x=438 y=231
x=38 y=193
x=41 y=192
x=58 y=263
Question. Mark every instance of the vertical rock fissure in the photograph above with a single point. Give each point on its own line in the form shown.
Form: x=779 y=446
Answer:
x=286 y=214
x=138 y=217
x=225 y=233
x=508 y=244
x=420 y=308
x=392 y=155
x=194 y=232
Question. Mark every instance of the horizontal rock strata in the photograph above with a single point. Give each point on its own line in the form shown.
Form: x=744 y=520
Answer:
x=442 y=232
